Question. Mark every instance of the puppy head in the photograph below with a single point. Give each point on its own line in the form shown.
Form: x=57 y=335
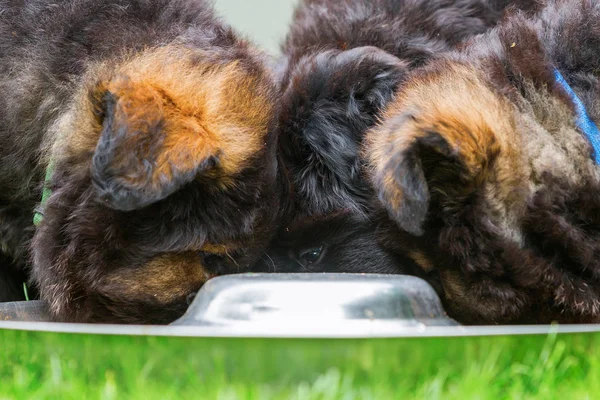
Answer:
x=163 y=126
x=458 y=164
x=329 y=100
x=443 y=163
x=165 y=164
x=340 y=242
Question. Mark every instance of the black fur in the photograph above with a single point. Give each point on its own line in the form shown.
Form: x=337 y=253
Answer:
x=342 y=63
x=339 y=243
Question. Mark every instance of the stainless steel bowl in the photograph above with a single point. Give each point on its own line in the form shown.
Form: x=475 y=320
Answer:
x=296 y=306
x=327 y=304
x=283 y=305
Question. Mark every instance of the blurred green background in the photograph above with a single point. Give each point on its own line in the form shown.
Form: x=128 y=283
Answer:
x=264 y=21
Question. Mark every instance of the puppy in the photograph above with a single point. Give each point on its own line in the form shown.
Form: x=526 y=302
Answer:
x=487 y=160
x=154 y=125
x=342 y=63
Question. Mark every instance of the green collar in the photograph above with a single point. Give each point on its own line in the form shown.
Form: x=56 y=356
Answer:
x=38 y=216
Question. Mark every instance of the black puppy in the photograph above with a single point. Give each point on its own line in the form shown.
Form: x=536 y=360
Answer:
x=343 y=61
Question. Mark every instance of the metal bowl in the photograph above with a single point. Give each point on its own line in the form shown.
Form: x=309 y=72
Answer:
x=296 y=306
x=327 y=304
x=281 y=305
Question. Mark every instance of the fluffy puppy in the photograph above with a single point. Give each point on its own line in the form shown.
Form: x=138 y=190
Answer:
x=155 y=122
x=342 y=63
x=488 y=162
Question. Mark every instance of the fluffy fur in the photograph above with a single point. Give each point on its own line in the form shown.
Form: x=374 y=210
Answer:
x=343 y=61
x=160 y=123
x=480 y=162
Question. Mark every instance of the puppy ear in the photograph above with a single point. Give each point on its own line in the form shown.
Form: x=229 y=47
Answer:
x=147 y=148
x=336 y=86
x=407 y=178
x=376 y=75
x=364 y=77
x=444 y=135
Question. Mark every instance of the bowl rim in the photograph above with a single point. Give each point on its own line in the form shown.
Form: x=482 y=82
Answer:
x=228 y=332
x=363 y=330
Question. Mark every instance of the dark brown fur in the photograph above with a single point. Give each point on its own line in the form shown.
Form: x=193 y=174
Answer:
x=159 y=121
x=479 y=159
x=342 y=62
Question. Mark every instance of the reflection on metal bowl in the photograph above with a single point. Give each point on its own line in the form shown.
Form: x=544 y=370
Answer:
x=315 y=304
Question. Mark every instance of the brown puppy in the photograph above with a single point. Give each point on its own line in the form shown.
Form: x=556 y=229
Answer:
x=154 y=121
x=485 y=161
x=343 y=61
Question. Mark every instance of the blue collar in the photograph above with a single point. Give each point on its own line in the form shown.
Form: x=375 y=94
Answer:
x=584 y=122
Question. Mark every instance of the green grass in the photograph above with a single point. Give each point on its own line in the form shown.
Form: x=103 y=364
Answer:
x=25 y=291
x=70 y=366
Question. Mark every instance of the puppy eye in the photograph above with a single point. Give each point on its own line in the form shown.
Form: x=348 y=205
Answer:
x=311 y=256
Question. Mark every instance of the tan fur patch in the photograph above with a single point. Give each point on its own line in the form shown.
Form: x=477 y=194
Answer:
x=421 y=259
x=208 y=108
x=458 y=106
x=220 y=249
x=165 y=279
x=477 y=124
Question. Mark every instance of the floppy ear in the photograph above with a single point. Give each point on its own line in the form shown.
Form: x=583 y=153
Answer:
x=418 y=169
x=147 y=149
x=378 y=74
x=421 y=168
x=351 y=85
x=365 y=77
x=444 y=135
